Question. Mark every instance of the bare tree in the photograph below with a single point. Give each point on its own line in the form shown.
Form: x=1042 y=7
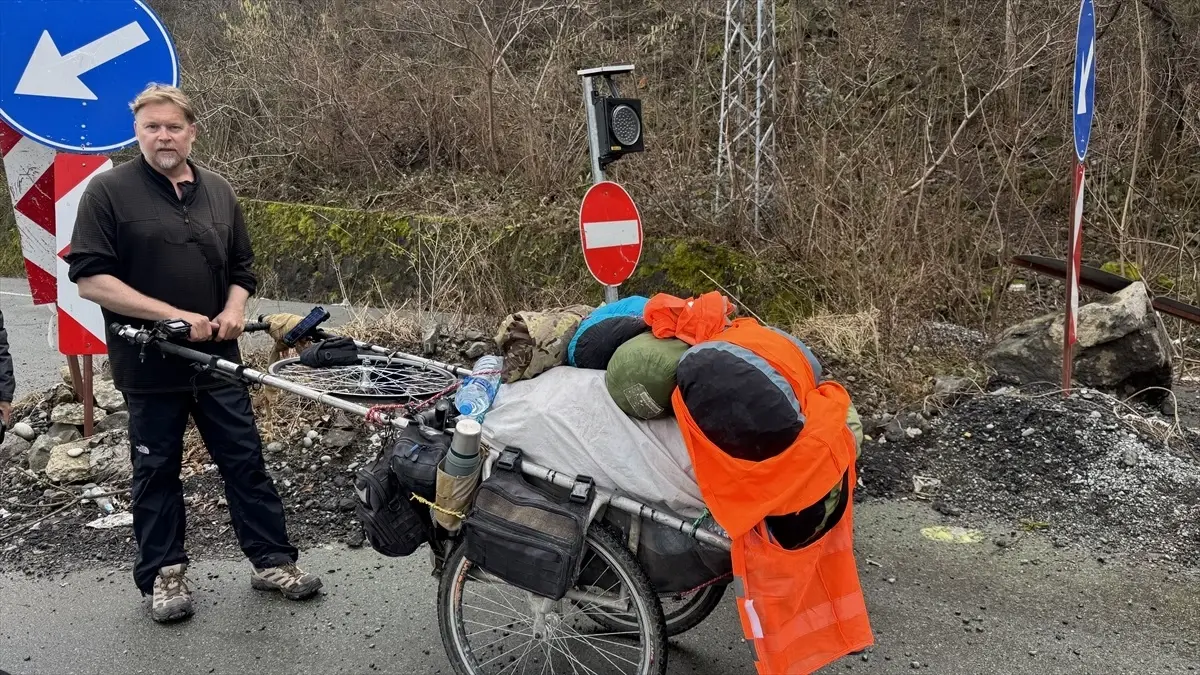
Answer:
x=484 y=30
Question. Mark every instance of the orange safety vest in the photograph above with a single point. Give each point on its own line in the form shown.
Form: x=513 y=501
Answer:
x=801 y=609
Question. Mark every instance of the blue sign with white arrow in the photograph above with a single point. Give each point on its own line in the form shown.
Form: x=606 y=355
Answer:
x=70 y=68
x=1084 y=90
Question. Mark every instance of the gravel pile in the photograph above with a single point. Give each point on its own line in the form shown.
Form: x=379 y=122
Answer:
x=1080 y=469
x=44 y=527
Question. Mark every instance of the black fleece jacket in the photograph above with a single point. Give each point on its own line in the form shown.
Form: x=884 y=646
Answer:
x=185 y=251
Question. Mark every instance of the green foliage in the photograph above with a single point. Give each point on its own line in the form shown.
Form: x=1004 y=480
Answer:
x=689 y=267
x=1128 y=270
x=279 y=228
x=12 y=263
x=526 y=266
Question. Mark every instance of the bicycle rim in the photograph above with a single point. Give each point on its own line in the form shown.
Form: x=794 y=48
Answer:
x=373 y=377
x=493 y=631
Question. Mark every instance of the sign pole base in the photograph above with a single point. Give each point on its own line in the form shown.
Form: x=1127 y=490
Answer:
x=1074 y=256
x=81 y=382
x=1068 y=359
x=88 y=416
x=76 y=377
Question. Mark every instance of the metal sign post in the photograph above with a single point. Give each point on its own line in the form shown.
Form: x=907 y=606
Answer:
x=612 y=121
x=1083 y=108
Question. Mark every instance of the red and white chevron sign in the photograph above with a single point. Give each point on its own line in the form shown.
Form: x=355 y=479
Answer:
x=29 y=168
x=80 y=322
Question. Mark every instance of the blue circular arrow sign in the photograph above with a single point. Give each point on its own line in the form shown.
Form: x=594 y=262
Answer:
x=70 y=68
x=1084 y=89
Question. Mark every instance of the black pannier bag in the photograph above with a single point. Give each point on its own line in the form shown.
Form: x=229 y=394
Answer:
x=675 y=562
x=393 y=523
x=523 y=534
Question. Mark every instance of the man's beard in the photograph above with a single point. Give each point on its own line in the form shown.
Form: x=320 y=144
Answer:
x=167 y=160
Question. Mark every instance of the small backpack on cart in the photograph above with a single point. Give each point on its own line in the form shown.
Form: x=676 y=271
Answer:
x=414 y=459
x=394 y=524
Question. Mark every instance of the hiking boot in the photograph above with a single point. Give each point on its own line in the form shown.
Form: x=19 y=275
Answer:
x=172 y=598
x=293 y=582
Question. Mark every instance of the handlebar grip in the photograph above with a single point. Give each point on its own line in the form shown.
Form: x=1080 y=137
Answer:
x=121 y=330
x=256 y=327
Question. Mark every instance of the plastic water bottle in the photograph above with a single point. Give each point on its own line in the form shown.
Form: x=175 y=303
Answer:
x=479 y=388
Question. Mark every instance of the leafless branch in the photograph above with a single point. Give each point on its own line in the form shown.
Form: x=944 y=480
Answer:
x=1031 y=60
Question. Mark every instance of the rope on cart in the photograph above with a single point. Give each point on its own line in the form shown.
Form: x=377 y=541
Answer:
x=435 y=507
x=375 y=412
x=723 y=577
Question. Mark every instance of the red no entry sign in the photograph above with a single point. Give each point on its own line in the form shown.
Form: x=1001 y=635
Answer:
x=611 y=231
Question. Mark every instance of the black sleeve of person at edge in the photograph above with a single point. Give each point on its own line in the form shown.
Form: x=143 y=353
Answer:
x=8 y=380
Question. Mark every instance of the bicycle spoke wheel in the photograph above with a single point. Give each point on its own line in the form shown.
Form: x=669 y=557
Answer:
x=491 y=628
x=373 y=377
x=683 y=612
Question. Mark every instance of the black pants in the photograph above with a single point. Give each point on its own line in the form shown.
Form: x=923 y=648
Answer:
x=225 y=420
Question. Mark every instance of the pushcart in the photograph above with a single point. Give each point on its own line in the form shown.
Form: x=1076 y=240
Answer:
x=611 y=621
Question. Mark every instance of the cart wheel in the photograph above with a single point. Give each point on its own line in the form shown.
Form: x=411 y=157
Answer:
x=374 y=378
x=488 y=626
x=682 y=613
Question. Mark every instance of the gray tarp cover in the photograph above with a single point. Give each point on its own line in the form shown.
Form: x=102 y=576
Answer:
x=564 y=419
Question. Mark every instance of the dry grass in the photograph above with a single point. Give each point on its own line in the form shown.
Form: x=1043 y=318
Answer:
x=393 y=327
x=852 y=337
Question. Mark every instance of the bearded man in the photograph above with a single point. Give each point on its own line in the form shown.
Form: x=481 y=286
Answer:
x=160 y=238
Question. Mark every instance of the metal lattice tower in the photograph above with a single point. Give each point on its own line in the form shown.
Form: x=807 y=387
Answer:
x=746 y=144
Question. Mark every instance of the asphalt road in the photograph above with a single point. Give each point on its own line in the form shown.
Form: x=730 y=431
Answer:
x=946 y=607
x=935 y=606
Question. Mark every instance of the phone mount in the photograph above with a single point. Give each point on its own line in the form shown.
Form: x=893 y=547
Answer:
x=316 y=317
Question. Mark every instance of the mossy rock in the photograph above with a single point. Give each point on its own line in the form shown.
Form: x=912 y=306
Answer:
x=312 y=251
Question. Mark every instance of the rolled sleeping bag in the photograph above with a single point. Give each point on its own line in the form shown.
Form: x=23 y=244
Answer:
x=741 y=403
x=641 y=375
x=605 y=329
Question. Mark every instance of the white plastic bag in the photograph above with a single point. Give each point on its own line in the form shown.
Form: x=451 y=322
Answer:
x=565 y=419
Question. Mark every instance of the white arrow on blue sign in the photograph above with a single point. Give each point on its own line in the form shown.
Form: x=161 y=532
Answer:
x=70 y=68
x=1084 y=90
